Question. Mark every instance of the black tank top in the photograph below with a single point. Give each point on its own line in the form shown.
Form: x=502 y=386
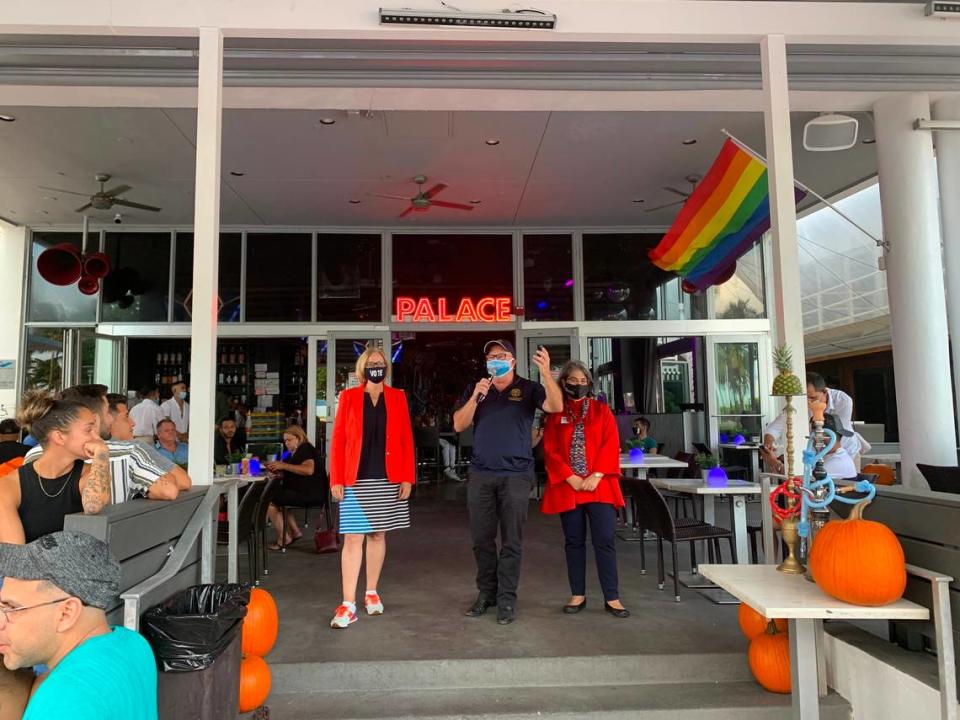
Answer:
x=41 y=514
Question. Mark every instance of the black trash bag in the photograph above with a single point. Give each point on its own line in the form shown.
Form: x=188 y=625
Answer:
x=192 y=628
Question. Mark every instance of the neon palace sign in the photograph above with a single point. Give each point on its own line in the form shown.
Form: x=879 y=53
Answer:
x=426 y=310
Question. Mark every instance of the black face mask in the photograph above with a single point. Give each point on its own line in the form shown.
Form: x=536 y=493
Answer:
x=636 y=431
x=375 y=374
x=577 y=392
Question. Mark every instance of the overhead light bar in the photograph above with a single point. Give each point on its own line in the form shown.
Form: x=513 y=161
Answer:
x=506 y=19
x=942 y=8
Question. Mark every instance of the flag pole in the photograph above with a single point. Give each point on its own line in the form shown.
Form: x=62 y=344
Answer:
x=750 y=151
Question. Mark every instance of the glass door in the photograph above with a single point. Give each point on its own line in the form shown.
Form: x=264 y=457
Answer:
x=99 y=359
x=738 y=387
x=562 y=344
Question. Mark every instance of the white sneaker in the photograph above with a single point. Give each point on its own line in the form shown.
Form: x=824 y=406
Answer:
x=343 y=617
x=451 y=474
x=373 y=603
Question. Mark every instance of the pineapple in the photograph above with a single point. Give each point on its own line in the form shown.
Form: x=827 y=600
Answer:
x=786 y=383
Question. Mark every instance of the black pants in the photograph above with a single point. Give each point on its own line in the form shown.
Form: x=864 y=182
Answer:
x=603 y=523
x=498 y=501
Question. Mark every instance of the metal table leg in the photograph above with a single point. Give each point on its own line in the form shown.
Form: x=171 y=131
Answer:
x=803 y=669
x=738 y=522
x=232 y=534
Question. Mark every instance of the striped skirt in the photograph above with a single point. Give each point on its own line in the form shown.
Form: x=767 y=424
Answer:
x=371 y=505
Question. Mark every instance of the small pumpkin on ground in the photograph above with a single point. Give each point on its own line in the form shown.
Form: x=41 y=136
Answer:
x=254 y=682
x=769 y=659
x=753 y=623
x=859 y=561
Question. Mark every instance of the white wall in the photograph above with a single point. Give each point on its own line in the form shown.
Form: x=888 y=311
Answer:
x=12 y=284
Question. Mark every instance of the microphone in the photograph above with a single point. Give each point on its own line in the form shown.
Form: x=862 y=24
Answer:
x=481 y=396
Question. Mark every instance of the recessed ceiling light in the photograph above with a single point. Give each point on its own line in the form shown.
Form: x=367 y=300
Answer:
x=7 y=118
x=690 y=141
x=353 y=202
x=327 y=121
x=476 y=202
x=492 y=141
x=237 y=173
x=868 y=141
x=638 y=200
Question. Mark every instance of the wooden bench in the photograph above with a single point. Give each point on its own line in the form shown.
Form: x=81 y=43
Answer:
x=142 y=534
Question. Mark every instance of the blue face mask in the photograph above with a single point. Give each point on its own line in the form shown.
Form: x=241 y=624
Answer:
x=182 y=396
x=498 y=368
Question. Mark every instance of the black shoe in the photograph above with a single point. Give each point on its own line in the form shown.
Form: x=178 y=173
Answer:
x=505 y=615
x=573 y=609
x=616 y=612
x=479 y=607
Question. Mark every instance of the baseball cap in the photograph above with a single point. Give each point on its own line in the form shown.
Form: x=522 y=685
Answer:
x=9 y=427
x=77 y=563
x=505 y=344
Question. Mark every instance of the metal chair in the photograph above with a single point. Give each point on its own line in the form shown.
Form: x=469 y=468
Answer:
x=426 y=441
x=655 y=516
x=246 y=527
x=464 y=448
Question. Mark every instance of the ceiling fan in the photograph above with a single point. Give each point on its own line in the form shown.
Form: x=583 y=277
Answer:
x=105 y=199
x=423 y=200
x=692 y=179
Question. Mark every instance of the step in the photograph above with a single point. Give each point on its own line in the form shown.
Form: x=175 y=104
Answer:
x=319 y=677
x=669 y=701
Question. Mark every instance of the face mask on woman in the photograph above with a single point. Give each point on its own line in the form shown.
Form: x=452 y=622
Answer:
x=375 y=374
x=498 y=368
x=577 y=392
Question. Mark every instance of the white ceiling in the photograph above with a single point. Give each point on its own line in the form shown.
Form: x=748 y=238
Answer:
x=549 y=169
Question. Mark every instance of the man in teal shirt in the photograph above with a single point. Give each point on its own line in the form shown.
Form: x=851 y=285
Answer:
x=52 y=603
x=641 y=438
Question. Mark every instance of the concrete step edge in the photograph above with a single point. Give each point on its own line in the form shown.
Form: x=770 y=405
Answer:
x=505 y=673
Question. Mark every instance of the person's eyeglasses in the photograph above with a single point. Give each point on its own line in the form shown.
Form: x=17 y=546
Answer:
x=6 y=612
x=499 y=356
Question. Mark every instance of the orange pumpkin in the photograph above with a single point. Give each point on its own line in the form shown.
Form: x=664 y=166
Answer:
x=753 y=623
x=769 y=658
x=254 y=683
x=260 y=625
x=858 y=561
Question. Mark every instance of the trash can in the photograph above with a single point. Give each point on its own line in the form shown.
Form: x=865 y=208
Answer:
x=195 y=635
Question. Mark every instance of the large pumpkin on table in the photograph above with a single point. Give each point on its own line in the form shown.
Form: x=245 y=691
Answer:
x=769 y=658
x=753 y=623
x=260 y=625
x=858 y=561
x=254 y=683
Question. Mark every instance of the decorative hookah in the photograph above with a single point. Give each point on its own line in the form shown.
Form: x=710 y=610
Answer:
x=819 y=516
x=786 y=385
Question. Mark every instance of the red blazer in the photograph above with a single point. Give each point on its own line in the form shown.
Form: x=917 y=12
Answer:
x=348 y=436
x=603 y=455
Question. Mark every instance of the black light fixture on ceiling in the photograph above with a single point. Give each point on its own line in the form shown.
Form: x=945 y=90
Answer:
x=526 y=19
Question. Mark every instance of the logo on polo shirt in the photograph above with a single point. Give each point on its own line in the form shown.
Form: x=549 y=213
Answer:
x=516 y=395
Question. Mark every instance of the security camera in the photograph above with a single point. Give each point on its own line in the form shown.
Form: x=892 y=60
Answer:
x=118 y=218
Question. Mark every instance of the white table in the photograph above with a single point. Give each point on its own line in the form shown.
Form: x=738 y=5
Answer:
x=639 y=469
x=805 y=606
x=737 y=489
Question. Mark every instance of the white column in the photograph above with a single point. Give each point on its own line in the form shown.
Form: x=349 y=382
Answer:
x=947 y=144
x=13 y=247
x=918 y=313
x=787 y=310
x=206 y=251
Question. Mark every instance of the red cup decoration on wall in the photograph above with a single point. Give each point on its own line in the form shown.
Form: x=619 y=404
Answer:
x=96 y=265
x=60 y=264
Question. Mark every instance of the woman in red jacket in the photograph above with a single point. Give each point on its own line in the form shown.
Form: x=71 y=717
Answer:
x=581 y=449
x=371 y=474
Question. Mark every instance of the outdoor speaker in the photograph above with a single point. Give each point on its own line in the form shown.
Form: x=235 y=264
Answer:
x=827 y=133
x=60 y=264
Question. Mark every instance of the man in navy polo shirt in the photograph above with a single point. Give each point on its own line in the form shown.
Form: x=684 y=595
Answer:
x=501 y=408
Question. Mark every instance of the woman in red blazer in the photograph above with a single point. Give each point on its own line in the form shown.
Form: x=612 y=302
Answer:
x=372 y=471
x=581 y=449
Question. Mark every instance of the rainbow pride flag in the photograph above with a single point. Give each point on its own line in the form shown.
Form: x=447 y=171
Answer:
x=726 y=214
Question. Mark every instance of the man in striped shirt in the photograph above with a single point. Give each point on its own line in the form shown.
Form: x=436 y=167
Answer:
x=135 y=469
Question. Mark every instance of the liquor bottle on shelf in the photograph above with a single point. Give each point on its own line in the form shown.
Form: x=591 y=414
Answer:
x=156 y=376
x=220 y=378
x=243 y=377
x=233 y=356
x=179 y=375
x=241 y=358
x=223 y=356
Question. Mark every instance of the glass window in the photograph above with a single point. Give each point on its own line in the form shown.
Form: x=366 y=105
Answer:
x=228 y=279
x=44 y=355
x=59 y=303
x=548 y=277
x=620 y=282
x=138 y=286
x=278 y=277
x=737 y=390
x=348 y=278
x=742 y=297
x=453 y=268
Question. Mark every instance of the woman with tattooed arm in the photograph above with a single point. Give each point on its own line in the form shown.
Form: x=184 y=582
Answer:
x=35 y=500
